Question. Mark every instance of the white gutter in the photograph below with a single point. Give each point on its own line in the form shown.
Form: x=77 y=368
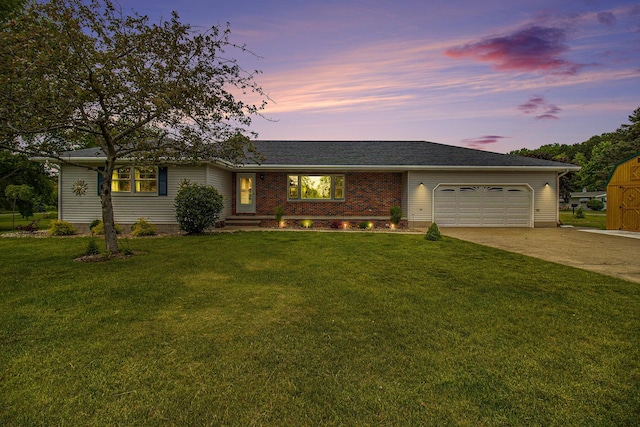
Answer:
x=291 y=167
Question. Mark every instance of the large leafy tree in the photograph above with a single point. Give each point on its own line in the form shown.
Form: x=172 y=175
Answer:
x=82 y=70
x=17 y=169
x=9 y=7
x=597 y=156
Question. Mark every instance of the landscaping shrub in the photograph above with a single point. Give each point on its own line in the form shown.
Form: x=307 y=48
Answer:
x=365 y=225
x=93 y=224
x=595 y=204
x=198 y=207
x=336 y=224
x=143 y=228
x=62 y=228
x=579 y=213
x=306 y=223
x=92 y=247
x=99 y=228
x=433 y=233
x=31 y=227
x=125 y=248
x=396 y=214
x=278 y=214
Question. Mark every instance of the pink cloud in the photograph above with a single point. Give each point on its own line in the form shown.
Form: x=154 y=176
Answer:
x=533 y=48
x=483 y=141
x=538 y=105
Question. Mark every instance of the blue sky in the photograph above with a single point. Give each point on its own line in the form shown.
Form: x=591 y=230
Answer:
x=492 y=75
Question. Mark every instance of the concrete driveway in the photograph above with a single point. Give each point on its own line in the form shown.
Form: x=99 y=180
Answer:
x=616 y=255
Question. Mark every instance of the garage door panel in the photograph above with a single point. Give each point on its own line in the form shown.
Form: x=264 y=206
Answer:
x=482 y=206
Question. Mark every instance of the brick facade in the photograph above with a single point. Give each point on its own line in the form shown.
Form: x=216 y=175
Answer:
x=367 y=195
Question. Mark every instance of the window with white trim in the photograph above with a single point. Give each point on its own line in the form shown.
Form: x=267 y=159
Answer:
x=139 y=179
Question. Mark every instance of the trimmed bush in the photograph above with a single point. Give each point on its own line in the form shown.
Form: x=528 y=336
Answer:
x=93 y=224
x=143 y=228
x=61 y=228
x=99 y=228
x=579 y=213
x=198 y=207
x=595 y=204
x=396 y=214
x=433 y=233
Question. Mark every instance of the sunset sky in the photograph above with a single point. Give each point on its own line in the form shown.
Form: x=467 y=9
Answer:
x=494 y=75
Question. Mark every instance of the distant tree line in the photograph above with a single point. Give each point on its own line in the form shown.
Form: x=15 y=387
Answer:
x=597 y=156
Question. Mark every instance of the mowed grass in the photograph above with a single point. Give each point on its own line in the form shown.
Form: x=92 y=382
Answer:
x=307 y=328
x=592 y=219
x=9 y=220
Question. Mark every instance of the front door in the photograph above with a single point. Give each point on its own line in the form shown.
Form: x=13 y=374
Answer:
x=246 y=193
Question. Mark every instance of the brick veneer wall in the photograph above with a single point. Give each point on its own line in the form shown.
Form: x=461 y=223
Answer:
x=367 y=194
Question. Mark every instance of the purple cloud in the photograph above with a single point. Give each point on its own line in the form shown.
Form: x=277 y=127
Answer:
x=607 y=18
x=483 y=141
x=533 y=48
x=538 y=105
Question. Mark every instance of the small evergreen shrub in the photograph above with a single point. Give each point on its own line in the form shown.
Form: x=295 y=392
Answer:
x=433 y=233
x=198 y=207
x=99 y=228
x=125 y=248
x=579 y=213
x=306 y=223
x=278 y=214
x=62 y=228
x=396 y=214
x=92 y=247
x=143 y=228
x=365 y=225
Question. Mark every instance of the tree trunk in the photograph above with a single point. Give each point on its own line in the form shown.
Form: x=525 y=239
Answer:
x=110 y=236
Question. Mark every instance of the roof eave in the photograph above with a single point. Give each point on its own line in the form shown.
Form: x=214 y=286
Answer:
x=569 y=168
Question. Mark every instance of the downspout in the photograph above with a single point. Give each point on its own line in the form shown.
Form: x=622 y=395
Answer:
x=566 y=171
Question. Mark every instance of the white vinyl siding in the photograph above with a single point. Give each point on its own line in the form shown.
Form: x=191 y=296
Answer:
x=128 y=207
x=221 y=180
x=420 y=197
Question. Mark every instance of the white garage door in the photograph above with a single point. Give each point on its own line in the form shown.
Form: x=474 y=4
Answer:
x=482 y=206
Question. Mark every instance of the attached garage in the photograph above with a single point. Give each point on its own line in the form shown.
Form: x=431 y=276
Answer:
x=492 y=205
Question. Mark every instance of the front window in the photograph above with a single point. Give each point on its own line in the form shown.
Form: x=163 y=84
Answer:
x=145 y=180
x=139 y=179
x=121 y=180
x=316 y=187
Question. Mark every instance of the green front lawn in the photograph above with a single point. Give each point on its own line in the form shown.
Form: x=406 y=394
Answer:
x=7 y=220
x=591 y=219
x=309 y=328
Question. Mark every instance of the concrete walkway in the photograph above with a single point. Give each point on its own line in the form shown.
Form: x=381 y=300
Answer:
x=607 y=252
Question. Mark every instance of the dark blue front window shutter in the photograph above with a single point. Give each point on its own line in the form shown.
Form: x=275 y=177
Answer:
x=100 y=179
x=162 y=181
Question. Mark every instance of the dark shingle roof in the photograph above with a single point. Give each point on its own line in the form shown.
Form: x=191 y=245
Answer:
x=400 y=154
x=387 y=153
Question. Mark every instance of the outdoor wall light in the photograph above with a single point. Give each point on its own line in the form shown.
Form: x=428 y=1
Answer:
x=546 y=184
x=421 y=184
x=262 y=176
